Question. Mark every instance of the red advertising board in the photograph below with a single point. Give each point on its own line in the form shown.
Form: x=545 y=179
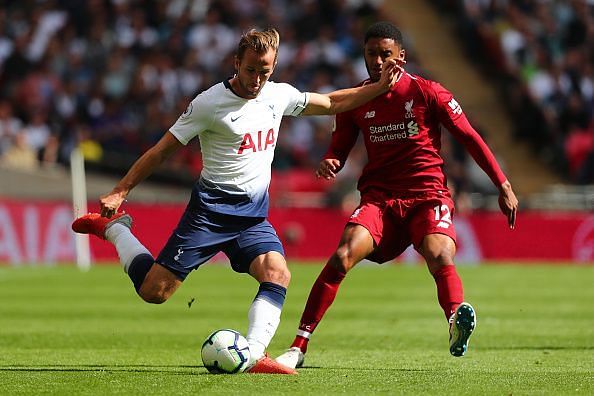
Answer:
x=39 y=232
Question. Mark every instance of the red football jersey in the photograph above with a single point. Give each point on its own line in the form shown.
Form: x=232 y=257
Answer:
x=402 y=135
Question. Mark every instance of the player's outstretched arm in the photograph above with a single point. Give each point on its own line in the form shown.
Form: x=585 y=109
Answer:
x=453 y=118
x=350 y=98
x=508 y=203
x=139 y=171
x=328 y=168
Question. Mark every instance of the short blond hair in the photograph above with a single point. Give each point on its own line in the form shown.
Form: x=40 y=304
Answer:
x=259 y=41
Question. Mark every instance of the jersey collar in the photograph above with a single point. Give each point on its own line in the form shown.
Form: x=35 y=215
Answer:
x=227 y=84
x=402 y=84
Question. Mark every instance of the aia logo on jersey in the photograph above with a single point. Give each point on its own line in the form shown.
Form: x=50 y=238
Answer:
x=257 y=141
x=455 y=106
x=408 y=108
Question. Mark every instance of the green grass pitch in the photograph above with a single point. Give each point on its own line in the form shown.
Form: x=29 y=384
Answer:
x=65 y=332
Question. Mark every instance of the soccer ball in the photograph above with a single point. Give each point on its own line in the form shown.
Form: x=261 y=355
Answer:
x=225 y=352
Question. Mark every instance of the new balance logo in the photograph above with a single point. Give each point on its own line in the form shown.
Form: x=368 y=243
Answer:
x=455 y=106
x=369 y=114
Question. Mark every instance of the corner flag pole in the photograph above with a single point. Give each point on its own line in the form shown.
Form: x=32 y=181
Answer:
x=79 y=206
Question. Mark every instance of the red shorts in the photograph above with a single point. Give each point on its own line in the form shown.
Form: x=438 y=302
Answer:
x=395 y=223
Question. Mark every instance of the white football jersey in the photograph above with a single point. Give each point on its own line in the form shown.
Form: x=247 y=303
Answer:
x=237 y=138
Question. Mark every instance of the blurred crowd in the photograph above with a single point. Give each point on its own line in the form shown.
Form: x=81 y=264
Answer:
x=111 y=76
x=543 y=53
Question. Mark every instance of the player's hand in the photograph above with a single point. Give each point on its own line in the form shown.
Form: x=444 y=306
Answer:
x=110 y=203
x=328 y=168
x=391 y=71
x=508 y=203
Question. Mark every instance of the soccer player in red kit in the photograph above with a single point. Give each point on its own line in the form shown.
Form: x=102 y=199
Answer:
x=404 y=194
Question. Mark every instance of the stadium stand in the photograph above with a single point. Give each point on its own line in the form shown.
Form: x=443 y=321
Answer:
x=542 y=53
x=110 y=76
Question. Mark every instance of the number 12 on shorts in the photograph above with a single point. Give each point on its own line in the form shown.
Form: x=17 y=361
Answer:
x=442 y=214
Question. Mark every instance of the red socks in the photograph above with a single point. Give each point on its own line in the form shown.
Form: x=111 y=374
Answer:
x=301 y=343
x=320 y=298
x=450 y=292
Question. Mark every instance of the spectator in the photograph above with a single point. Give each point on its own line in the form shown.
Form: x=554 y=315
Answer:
x=120 y=70
x=20 y=155
x=543 y=51
x=10 y=126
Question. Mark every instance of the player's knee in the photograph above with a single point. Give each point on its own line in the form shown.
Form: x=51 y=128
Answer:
x=342 y=259
x=436 y=245
x=153 y=294
x=438 y=255
x=439 y=258
x=280 y=275
x=444 y=256
x=153 y=298
x=274 y=269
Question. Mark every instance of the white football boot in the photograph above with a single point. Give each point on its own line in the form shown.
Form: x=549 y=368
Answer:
x=462 y=324
x=293 y=357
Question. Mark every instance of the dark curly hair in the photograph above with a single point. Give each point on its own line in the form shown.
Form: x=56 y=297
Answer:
x=384 y=29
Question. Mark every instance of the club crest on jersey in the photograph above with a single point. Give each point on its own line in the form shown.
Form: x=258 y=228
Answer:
x=257 y=141
x=408 y=108
x=188 y=110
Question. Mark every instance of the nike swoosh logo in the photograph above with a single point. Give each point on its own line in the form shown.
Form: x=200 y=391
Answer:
x=233 y=119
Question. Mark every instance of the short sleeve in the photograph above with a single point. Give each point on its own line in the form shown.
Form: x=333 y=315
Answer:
x=196 y=118
x=296 y=100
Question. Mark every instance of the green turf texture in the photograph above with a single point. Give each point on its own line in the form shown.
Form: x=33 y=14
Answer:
x=65 y=332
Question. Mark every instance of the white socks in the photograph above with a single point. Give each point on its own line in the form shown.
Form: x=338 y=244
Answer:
x=264 y=318
x=126 y=244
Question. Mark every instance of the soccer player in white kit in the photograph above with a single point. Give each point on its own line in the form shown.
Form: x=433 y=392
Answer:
x=237 y=122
